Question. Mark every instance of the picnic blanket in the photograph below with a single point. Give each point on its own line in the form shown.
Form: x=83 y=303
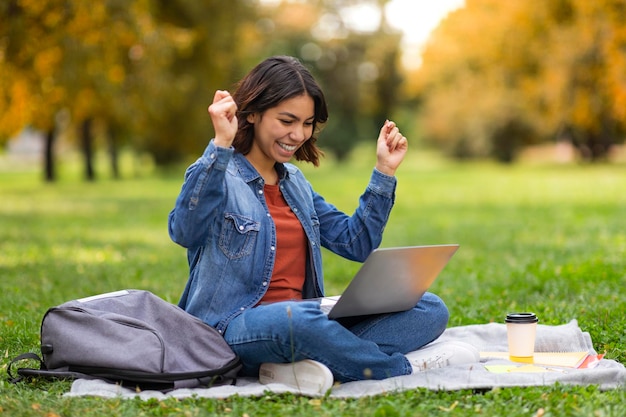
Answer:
x=607 y=374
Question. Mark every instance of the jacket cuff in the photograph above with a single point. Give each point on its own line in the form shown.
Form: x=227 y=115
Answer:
x=216 y=155
x=382 y=183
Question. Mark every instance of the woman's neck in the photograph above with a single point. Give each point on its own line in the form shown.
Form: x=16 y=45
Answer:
x=266 y=170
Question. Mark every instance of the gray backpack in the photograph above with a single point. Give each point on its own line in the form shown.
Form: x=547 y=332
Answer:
x=133 y=338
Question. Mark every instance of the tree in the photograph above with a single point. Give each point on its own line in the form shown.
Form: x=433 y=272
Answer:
x=142 y=72
x=207 y=39
x=63 y=55
x=519 y=81
x=356 y=69
x=31 y=58
x=585 y=95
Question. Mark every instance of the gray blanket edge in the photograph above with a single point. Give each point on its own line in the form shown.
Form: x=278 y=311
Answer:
x=608 y=374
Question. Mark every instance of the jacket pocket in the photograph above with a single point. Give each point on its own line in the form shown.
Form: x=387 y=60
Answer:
x=238 y=235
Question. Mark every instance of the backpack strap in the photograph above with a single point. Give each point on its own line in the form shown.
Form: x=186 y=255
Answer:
x=24 y=356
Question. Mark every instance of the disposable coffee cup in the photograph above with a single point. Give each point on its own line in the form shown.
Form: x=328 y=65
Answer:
x=521 y=330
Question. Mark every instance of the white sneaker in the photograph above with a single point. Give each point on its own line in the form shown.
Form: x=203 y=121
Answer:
x=305 y=376
x=442 y=354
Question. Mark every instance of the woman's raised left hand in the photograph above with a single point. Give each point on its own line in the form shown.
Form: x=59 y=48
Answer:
x=391 y=148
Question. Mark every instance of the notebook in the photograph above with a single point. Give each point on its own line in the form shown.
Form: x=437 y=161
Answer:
x=390 y=280
x=563 y=359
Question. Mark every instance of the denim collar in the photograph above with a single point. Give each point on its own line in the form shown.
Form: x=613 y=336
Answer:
x=249 y=173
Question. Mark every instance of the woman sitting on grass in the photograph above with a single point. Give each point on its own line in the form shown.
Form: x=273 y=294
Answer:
x=254 y=228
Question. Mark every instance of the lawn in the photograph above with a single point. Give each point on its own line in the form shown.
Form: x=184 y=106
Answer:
x=544 y=238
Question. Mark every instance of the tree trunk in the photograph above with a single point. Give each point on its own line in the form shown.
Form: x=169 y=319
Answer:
x=87 y=145
x=49 y=171
x=113 y=153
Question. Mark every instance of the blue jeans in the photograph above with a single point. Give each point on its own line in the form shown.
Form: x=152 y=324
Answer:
x=372 y=348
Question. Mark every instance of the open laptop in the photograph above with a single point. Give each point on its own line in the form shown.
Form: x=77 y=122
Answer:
x=390 y=280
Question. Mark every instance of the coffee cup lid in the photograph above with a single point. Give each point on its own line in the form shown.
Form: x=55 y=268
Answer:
x=521 y=318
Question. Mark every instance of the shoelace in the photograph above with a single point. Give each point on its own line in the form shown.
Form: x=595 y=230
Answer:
x=433 y=362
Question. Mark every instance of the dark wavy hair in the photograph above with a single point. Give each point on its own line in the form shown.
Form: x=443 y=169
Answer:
x=276 y=79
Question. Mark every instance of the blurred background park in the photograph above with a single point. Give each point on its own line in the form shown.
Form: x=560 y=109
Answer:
x=501 y=80
x=534 y=91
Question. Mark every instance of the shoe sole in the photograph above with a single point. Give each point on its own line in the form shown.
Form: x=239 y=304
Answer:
x=305 y=376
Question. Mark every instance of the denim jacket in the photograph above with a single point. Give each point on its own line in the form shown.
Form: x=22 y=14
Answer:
x=222 y=219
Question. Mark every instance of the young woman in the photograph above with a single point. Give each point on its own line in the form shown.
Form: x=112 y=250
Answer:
x=254 y=228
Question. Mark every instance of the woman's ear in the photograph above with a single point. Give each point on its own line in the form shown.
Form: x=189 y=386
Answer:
x=252 y=118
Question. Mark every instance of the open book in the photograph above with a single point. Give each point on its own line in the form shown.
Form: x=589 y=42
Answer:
x=561 y=359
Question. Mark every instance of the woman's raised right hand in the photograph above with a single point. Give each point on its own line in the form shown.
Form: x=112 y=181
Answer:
x=223 y=115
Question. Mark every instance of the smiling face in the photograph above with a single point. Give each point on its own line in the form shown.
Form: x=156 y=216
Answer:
x=280 y=131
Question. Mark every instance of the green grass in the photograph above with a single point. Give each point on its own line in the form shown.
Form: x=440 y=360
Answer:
x=550 y=239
